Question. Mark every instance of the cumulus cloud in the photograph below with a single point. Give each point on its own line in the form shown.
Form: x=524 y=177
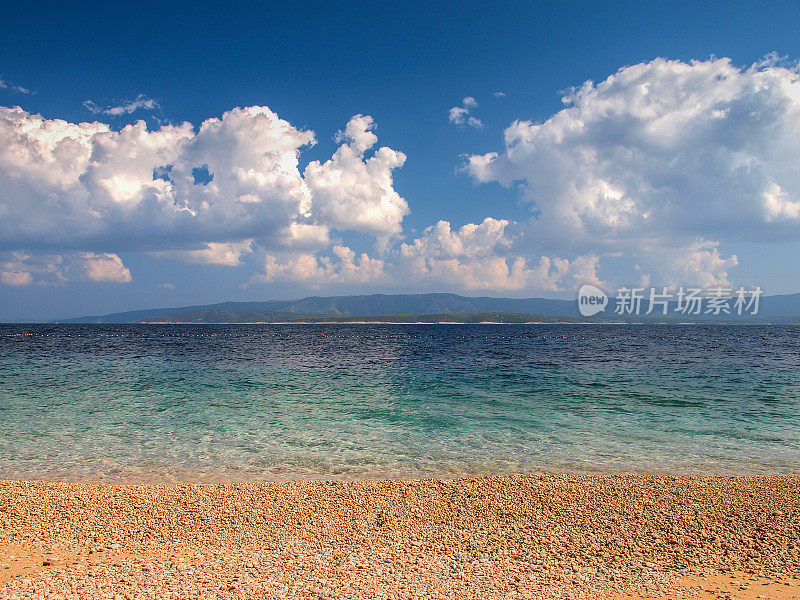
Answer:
x=15 y=278
x=343 y=266
x=206 y=195
x=105 y=268
x=473 y=257
x=141 y=102
x=699 y=265
x=229 y=254
x=659 y=156
x=481 y=256
x=83 y=185
x=663 y=163
x=22 y=269
x=461 y=115
x=471 y=240
x=350 y=192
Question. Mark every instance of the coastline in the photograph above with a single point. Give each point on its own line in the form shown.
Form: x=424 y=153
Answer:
x=526 y=536
x=428 y=323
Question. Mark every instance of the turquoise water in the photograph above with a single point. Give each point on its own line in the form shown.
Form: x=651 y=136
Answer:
x=256 y=402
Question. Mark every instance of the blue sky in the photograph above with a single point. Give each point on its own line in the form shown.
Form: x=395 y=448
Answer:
x=685 y=188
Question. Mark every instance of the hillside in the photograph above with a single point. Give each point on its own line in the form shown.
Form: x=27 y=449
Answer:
x=398 y=306
x=365 y=305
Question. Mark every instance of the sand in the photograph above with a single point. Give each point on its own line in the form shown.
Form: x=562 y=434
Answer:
x=495 y=537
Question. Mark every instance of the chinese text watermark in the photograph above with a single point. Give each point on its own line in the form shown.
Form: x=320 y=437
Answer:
x=689 y=301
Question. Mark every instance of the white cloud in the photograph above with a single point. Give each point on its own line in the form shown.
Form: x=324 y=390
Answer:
x=71 y=186
x=481 y=256
x=5 y=85
x=342 y=267
x=304 y=236
x=358 y=134
x=21 y=269
x=350 y=192
x=105 y=268
x=663 y=163
x=15 y=278
x=778 y=204
x=471 y=240
x=67 y=186
x=460 y=115
x=141 y=102
x=229 y=254
x=658 y=157
x=488 y=273
x=700 y=265
x=472 y=257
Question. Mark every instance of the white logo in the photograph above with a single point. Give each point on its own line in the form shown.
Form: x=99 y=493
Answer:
x=591 y=300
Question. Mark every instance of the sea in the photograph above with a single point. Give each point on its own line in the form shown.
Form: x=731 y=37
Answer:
x=230 y=403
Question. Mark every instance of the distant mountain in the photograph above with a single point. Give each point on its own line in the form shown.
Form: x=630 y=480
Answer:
x=784 y=308
x=780 y=306
x=374 y=304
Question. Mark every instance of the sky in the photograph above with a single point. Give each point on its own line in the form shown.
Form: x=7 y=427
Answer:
x=191 y=153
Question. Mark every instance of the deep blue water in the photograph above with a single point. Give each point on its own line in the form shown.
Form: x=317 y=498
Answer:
x=246 y=402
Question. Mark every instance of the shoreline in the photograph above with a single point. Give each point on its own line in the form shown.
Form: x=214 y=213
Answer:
x=196 y=478
x=430 y=323
x=525 y=536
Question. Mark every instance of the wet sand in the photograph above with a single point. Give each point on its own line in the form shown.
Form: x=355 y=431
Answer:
x=495 y=537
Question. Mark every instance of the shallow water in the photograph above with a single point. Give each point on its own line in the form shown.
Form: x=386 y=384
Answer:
x=255 y=402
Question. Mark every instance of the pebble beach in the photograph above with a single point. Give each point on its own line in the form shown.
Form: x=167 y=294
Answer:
x=543 y=536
